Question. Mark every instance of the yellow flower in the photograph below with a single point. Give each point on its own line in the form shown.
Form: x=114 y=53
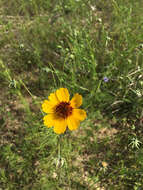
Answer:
x=61 y=112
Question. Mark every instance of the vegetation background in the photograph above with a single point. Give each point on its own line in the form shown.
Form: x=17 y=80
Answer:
x=47 y=44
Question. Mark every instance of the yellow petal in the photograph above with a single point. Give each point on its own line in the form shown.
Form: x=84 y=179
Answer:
x=48 y=120
x=63 y=94
x=47 y=107
x=79 y=114
x=76 y=101
x=53 y=98
x=60 y=126
x=73 y=123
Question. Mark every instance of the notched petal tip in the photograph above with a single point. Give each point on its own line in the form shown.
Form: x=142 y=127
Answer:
x=63 y=94
x=48 y=120
x=60 y=126
x=47 y=106
x=80 y=114
x=73 y=123
x=53 y=98
x=58 y=132
x=76 y=101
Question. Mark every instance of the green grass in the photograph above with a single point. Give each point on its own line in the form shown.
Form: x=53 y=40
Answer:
x=45 y=45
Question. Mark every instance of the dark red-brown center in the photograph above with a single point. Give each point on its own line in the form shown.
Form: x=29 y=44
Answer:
x=63 y=110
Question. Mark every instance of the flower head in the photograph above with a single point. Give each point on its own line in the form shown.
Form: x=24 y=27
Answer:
x=63 y=112
x=106 y=79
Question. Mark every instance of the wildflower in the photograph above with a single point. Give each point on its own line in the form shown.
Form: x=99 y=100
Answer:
x=105 y=79
x=63 y=112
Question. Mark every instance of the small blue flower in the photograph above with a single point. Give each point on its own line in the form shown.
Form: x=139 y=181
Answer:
x=105 y=79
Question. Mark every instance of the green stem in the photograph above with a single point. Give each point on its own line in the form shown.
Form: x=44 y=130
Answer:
x=59 y=158
x=59 y=148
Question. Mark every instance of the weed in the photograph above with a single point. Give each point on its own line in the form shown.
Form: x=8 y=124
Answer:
x=90 y=47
